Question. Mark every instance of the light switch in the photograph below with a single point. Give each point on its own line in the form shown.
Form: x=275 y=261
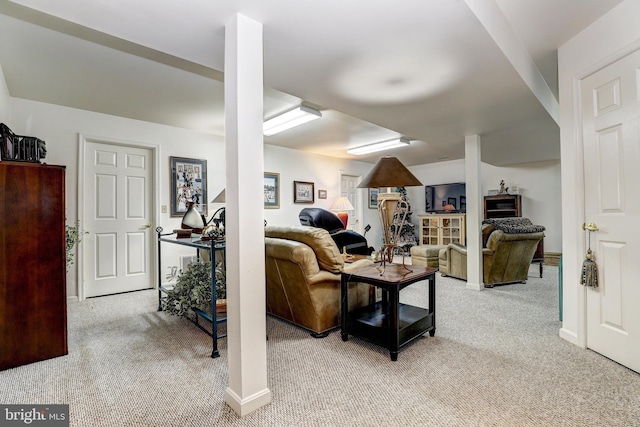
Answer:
x=164 y=208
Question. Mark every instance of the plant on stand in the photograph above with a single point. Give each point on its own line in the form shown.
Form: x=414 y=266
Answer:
x=73 y=236
x=193 y=289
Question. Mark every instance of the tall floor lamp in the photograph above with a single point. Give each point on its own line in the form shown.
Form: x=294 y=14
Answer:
x=390 y=172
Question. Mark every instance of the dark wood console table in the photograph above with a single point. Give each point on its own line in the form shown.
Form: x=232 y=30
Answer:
x=388 y=322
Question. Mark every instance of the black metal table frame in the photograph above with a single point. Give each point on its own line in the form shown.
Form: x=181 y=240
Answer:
x=212 y=246
x=390 y=306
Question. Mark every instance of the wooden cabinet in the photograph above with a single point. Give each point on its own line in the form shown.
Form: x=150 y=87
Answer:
x=502 y=206
x=33 y=300
x=442 y=229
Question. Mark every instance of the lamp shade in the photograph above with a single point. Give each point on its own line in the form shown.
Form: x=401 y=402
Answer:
x=342 y=204
x=389 y=172
x=220 y=198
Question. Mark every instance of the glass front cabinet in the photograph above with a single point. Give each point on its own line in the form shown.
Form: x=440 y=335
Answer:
x=442 y=229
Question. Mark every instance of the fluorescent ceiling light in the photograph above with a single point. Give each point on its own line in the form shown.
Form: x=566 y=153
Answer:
x=291 y=118
x=379 y=146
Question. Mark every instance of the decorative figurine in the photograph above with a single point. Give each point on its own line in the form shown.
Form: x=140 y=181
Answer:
x=503 y=189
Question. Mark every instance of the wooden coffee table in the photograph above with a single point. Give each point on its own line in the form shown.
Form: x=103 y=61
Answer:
x=388 y=322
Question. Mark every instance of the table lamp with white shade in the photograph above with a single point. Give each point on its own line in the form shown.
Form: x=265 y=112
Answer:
x=340 y=207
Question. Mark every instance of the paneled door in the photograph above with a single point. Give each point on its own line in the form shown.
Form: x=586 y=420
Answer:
x=348 y=189
x=610 y=114
x=118 y=215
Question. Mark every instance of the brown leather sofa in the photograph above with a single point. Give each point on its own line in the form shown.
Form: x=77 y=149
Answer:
x=506 y=256
x=303 y=266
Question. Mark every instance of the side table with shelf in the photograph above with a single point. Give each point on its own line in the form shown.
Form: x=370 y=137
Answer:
x=388 y=322
x=213 y=246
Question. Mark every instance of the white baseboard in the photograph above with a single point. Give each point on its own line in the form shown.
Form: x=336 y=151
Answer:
x=570 y=336
x=475 y=286
x=245 y=406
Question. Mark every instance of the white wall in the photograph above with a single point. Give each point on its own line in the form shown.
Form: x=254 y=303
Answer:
x=5 y=101
x=324 y=172
x=615 y=34
x=60 y=126
x=539 y=185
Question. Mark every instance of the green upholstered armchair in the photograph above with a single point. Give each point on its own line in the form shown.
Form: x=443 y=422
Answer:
x=506 y=254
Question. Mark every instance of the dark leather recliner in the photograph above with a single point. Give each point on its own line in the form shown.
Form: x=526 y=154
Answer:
x=355 y=243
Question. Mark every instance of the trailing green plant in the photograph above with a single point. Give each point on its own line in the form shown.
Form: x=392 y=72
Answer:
x=193 y=289
x=73 y=236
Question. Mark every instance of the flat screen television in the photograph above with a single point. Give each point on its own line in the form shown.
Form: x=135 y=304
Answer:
x=437 y=197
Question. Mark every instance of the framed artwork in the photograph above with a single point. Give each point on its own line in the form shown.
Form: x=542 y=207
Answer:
x=322 y=194
x=303 y=192
x=373 y=198
x=188 y=184
x=271 y=190
x=452 y=201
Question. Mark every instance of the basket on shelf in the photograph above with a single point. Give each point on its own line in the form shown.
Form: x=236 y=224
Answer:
x=20 y=148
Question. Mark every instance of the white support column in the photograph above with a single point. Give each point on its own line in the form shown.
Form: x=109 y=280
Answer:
x=246 y=295
x=475 y=212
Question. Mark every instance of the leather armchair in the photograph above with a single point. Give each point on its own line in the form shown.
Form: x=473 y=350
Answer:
x=355 y=243
x=303 y=269
x=506 y=257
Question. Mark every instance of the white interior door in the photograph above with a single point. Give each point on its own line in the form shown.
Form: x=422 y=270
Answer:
x=348 y=189
x=118 y=215
x=611 y=113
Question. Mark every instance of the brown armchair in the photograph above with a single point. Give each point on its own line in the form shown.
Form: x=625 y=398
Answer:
x=303 y=268
x=506 y=255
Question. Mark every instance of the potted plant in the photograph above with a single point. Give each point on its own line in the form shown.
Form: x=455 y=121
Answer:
x=73 y=236
x=193 y=289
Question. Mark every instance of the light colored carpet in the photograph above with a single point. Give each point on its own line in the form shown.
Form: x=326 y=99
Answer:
x=496 y=360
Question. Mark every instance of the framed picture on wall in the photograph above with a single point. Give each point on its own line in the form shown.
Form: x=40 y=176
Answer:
x=271 y=190
x=373 y=198
x=188 y=184
x=322 y=194
x=303 y=192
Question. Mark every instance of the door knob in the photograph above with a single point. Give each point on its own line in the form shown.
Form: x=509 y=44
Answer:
x=590 y=227
x=147 y=225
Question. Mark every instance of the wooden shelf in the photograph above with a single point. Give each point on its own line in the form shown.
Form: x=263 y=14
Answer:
x=502 y=206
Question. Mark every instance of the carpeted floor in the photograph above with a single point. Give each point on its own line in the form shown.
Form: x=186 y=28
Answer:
x=496 y=360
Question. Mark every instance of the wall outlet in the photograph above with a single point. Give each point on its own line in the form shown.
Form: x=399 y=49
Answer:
x=163 y=208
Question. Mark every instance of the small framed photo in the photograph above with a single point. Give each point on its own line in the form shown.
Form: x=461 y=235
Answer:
x=271 y=190
x=188 y=184
x=322 y=194
x=373 y=198
x=492 y=192
x=303 y=192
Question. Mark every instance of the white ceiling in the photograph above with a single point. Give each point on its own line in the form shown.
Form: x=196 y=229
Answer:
x=427 y=70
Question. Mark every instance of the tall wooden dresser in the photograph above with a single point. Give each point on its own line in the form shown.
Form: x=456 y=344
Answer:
x=33 y=300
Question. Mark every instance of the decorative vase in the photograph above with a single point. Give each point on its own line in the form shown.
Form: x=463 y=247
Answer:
x=192 y=219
